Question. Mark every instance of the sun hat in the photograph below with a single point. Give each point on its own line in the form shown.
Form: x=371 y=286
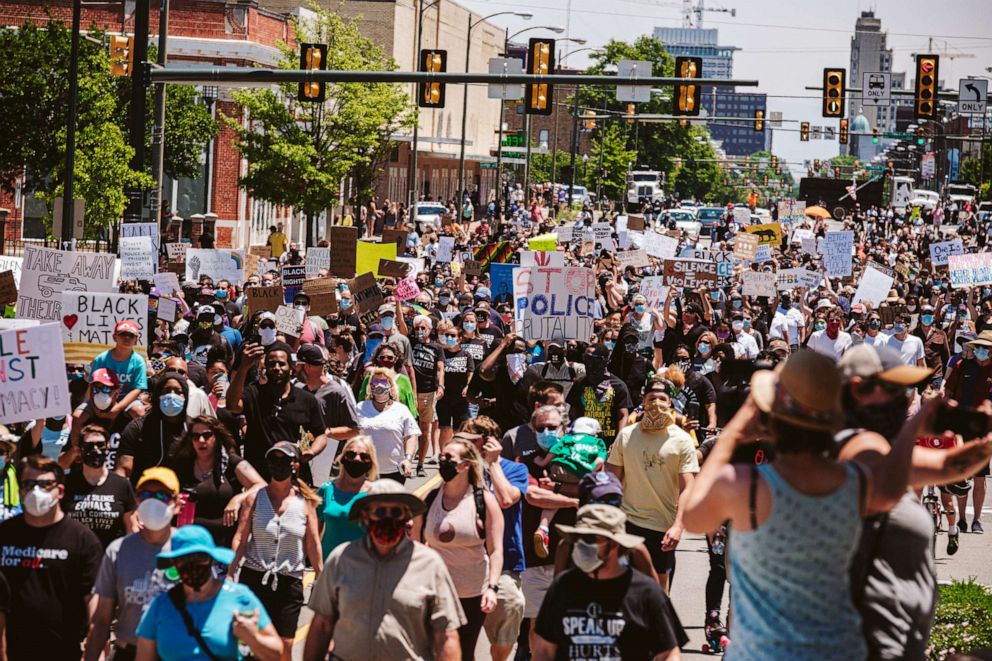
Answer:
x=883 y=363
x=603 y=520
x=386 y=491
x=984 y=339
x=804 y=390
x=192 y=539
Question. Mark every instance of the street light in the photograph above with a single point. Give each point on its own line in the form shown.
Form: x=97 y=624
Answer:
x=468 y=50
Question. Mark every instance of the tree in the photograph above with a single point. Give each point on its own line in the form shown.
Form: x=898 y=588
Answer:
x=298 y=153
x=540 y=166
x=970 y=170
x=610 y=152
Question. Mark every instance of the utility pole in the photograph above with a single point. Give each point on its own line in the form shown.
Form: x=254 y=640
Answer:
x=527 y=157
x=137 y=119
x=575 y=142
x=70 y=133
x=461 y=150
x=158 y=130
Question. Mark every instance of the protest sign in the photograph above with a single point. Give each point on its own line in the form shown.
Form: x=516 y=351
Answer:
x=176 y=252
x=801 y=233
x=547 y=242
x=808 y=246
x=34 y=384
x=659 y=245
x=47 y=272
x=445 y=248
x=456 y=268
x=939 y=252
x=887 y=314
x=219 y=264
x=265 y=298
x=416 y=264
x=542 y=258
x=166 y=283
x=798 y=278
x=8 y=288
x=394 y=236
x=12 y=264
x=620 y=223
x=262 y=252
x=970 y=270
x=759 y=283
x=137 y=259
x=389 y=268
x=292 y=280
x=764 y=254
x=317 y=258
x=554 y=303
x=654 y=291
x=168 y=310
x=564 y=233
x=368 y=256
x=874 y=287
x=746 y=247
x=691 y=273
x=881 y=267
x=472 y=268
x=367 y=297
x=344 y=248
x=289 y=320
x=601 y=233
x=635 y=258
x=501 y=281
x=636 y=223
x=150 y=230
x=769 y=234
x=323 y=296
x=407 y=289
x=837 y=247
x=742 y=215
x=88 y=321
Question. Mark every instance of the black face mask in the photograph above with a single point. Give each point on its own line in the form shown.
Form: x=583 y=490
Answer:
x=595 y=367
x=885 y=419
x=447 y=469
x=94 y=456
x=355 y=468
x=280 y=470
x=195 y=575
x=276 y=377
x=556 y=358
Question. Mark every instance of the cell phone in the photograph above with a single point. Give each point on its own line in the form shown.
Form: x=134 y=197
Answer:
x=968 y=422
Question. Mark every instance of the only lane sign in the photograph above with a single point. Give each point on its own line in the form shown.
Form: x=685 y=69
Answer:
x=972 y=96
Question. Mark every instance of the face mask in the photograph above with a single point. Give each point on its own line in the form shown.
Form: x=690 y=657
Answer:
x=704 y=348
x=981 y=353
x=218 y=320
x=355 y=468
x=438 y=282
x=345 y=303
x=267 y=336
x=738 y=326
x=640 y=308
x=75 y=376
x=154 y=514
x=381 y=393
x=547 y=439
x=387 y=531
x=447 y=469
x=595 y=366
x=586 y=556
x=94 y=455
x=715 y=295
x=39 y=502
x=450 y=341
x=820 y=325
x=737 y=303
x=747 y=323
x=103 y=401
x=911 y=308
x=657 y=417
x=280 y=470
x=926 y=319
x=205 y=325
x=421 y=335
x=387 y=323
x=556 y=358
x=469 y=326
x=610 y=344
x=196 y=576
x=898 y=329
x=886 y=419
x=171 y=404
x=875 y=324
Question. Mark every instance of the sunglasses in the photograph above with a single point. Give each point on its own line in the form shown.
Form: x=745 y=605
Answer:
x=75 y=370
x=454 y=335
x=162 y=496
x=547 y=428
x=201 y=435
x=103 y=389
x=45 y=483
x=190 y=561
x=128 y=336
x=380 y=512
x=351 y=455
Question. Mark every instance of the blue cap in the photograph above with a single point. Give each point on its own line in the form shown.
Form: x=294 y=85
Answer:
x=196 y=539
x=482 y=293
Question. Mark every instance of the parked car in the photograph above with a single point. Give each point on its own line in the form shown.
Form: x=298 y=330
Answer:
x=709 y=216
x=427 y=213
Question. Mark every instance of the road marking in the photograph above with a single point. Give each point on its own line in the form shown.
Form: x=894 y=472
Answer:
x=422 y=490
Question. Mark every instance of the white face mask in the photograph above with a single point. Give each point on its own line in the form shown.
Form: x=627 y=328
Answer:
x=267 y=335
x=155 y=514
x=103 y=401
x=39 y=502
x=586 y=556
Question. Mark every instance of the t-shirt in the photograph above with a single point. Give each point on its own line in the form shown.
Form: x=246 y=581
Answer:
x=601 y=404
x=277 y=241
x=476 y=347
x=457 y=365
x=212 y=618
x=210 y=496
x=270 y=418
x=100 y=508
x=334 y=511
x=652 y=462
x=335 y=404
x=132 y=372
x=426 y=356
x=910 y=350
x=148 y=440
x=50 y=571
x=513 y=536
x=129 y=575
x=627 y=617
x=786 y=325
x=832 y=348
x=387 y=429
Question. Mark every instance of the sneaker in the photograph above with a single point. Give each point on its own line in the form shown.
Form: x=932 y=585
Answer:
x=420 y=472
x=962 y=524
x=541 y=543
x=952 y=544
x=976 y=527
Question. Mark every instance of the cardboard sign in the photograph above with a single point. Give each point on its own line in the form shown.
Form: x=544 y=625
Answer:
x=218 y=264
x=445 y=249
x=746 y=247
x=553 y=258
x=289 y=320
x=887 y=314
x=367 y=297
x=940 y=252
x=137 y=258
x=635 y=258
x=12 y=264
x=344 y=249
x=317 y=258
x=266 y=298
x=176 y=252
x=873 y=287
x=837 y=248
x=407 y=289
x=34 y=385
x=129 y=230
x=565 y=233
x=554 y=303
x=654 y=291
x=167 y=310
x=88 y=322
x=759 y=283
x=47 y=272
x=8 y=288
x=769 y=234
x=394 y=236
x=636 y=223
x=659 y=245
x=323 y=296
x=691 y=273
x=262 y=252
x=472 y=268
x=166 y=283
x=601 y=234
x=742 y=215
x=970 y=270
x=389 y=268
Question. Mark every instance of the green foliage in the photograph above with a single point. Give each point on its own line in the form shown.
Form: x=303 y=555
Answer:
x=540 y=167
x=610 y=149
x=963 y=621
x=970 y=170
x=298 y=153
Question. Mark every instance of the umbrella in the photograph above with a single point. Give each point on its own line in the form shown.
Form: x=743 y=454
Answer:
x=817 y=212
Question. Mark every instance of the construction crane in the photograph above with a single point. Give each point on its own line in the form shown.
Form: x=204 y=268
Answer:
x=946 y=51
x=688 y=10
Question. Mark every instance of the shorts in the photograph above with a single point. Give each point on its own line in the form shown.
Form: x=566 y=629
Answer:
x=451 y=412
x=984 y=472
x=561 y=473
x=282 y=604
x=534 y=583
x=503 y=624
x=662 y=561
x=425 y=407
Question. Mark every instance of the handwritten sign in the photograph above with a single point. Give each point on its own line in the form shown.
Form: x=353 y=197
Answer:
x=137 y=258
x=445 y=249
x=691 y=273
x=798 y=278
x=289 y=320
x=742 y=215
x=654 y=291
x=407 y=289
x=472 y=268
x=601 y=233
x=8 y=288
x=633 y=258
x=344 y=249
x=394 y=236
x=970 y=270
x=636 y=223
x=47 y=272
x=167 y=310
x=939 y=252
x=265 y=298
x=34 y=385
x=317 y=258
x=659 y=245
x=176 y=252
x=769 y=234
x=746 y=247
x=554 y=303
x=150 y=230
x=389 y=268
x=553 y=258
x=367 y=297
x=873 y=287
x=759 y=283
x=837 y=248
x=323 y=296
x=218 y=264
x=262 y=252
x=88 y=322
x=12 y=264
x=565 y=233
x=166 y=283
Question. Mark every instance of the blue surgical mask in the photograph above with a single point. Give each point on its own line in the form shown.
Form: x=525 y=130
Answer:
x=820 y=325
x=438 y=282
x=345 y=303
x=450 y=341
x=547 y=439
x=640 y=308
x=927 y=319
x=444 y=300
x=981 y=353
x=898 y=329
x=715 y=295
x=387 y=323
x=737 y=303
x=469 y=326
x=704 y=347
x=171 y=404
x=610 y=344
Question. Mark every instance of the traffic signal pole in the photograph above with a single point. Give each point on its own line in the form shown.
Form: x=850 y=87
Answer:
x=70 y=132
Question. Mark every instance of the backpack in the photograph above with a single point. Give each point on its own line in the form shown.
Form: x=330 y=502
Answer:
x=480 y=508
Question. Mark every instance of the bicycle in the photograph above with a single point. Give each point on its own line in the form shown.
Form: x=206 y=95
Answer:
x=931 y=501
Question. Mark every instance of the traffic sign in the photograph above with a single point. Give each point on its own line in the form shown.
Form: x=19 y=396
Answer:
x=506 y=65
x=876 y=87
x=972 y=96
x=633 y=69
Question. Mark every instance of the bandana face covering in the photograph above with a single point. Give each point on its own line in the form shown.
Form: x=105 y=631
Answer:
x=657 y=417
x=387 y=531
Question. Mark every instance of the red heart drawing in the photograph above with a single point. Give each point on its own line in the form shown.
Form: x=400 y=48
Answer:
x=70 y=320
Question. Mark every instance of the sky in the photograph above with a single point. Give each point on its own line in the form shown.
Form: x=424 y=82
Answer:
x=785 y=44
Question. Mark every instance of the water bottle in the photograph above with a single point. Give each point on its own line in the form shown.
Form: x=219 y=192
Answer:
x=245 y=609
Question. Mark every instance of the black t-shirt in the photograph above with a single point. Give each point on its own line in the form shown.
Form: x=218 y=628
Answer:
x=601 y=404
x=100 y=508
x=148 y=440
x=491 y=336
x=270 y=419
x=476 y=347
x=49 y=572
x=426 y=356
x=627 y=617
x=210 y=496
x=114 y=426
x=457 y=365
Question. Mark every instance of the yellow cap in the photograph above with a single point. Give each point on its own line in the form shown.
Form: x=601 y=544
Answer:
x=164 y=476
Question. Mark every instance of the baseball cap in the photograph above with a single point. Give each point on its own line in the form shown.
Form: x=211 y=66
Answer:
x=779 y=346
x=105 y=377
x=286 y=448
x=884 y=363
x=482 y=293
x=588 y=426
x=301 y=295
x=266 y=316
x=127 y=326
x=597 y=485
x=164 y=476
x=205 y=310
x=310 y=354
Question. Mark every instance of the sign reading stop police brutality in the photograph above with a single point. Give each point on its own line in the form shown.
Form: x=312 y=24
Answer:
x=555 y=303
x=33 y=365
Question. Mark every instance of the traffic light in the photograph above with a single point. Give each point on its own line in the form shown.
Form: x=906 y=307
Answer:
x=804 y=132
x=541 y=62
x=759 y=120
x=844 y=134
x=920 y=135
x=833 y=92
x=121 y=55
x=925 y=101
x=431 y=94
x=687 y=95
x=313 y=57
x=874 y=135
x=631 y=110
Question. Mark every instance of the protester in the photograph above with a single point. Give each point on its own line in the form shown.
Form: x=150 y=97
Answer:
x=125 y=362
x=390 y=425
x=360 y=468
x=145 y=442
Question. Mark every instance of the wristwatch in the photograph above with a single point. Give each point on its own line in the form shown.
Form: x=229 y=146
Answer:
x=493 y=587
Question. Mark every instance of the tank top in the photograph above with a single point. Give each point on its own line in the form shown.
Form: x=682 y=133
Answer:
x=454 y=535
x=276 y=545
x=792 y=596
